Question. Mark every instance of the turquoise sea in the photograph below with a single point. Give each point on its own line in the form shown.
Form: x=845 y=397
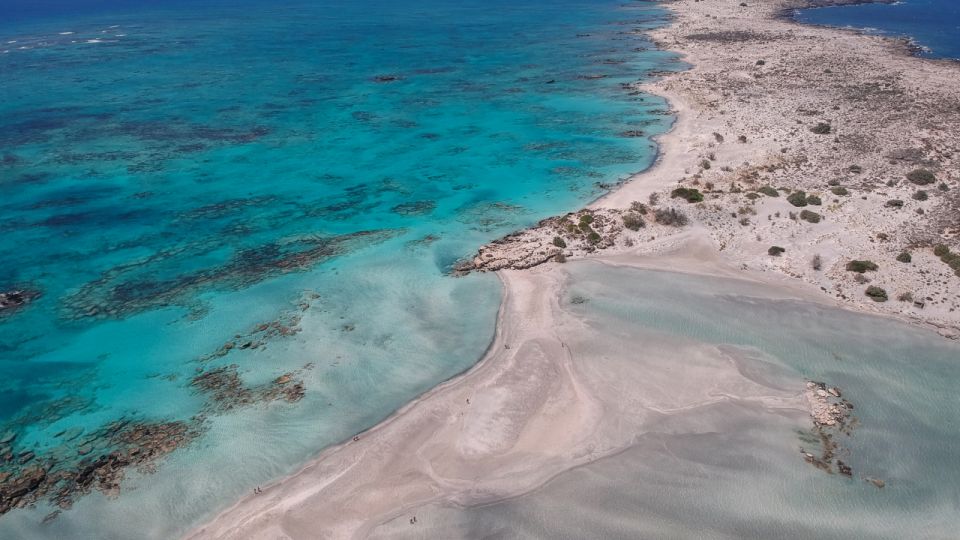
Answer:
x=233 y=222
x=933 y=25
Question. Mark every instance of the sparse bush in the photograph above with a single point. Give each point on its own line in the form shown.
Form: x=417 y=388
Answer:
x=718 y=137
x=797 y=198
x=906 y=297
x=811 y=217
x=876 y=293
x=742 y=138
x=560 y=258
x=817 y=262
x=633 y=221
x=943 y=186
x=654 y=199
x=821 y=128
x=769 y=191
x=894 y=203
x=839 y=191
x=705 y=164
x=638 y=207
x=862 y=266
x=559 y=242
x=671 y=216
x=920 y=195
x=752 y=196
x=921 y=177
x=833 y=182
x=855 y=169
x=775 y=251
x=940 y=250
x=904 y=257
x=814 y=200
x=691 y=195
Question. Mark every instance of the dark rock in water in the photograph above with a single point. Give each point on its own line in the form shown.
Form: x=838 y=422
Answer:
x=633 y=133
x=844 y=468
x=15 y=299
x=63 y=475
x=387 y=78
x=415 y=208
x=877 y=482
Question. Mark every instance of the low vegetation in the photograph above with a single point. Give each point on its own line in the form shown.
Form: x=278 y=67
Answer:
x=821 y=128
x=811 y=217
x=775 y=251
x=921 y=177
x=862 y=266
x=904 y=257
x=633 y=221
x=769 y=191
x=691 y=195
x=797 y=198
x=670 y=217
x=876 y=294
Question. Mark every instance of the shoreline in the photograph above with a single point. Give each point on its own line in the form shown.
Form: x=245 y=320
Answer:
x=374 y=464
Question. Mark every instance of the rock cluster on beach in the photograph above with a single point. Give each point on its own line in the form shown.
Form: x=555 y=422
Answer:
x=831 y=415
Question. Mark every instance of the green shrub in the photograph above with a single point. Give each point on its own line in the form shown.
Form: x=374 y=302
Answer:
x=690 y=195
x=943 y=186
x=752 y=196
x=633 y=221
x=894 y=203
x=940 y=250
x=705 y=164
x=559 y=242
x=586 y=219
x=876 y=294
x=861 y=266
x=797 y=198
x=775 y=251
x=814 y=200
x=839 y=191
x=821 y=128
x=670 y=216
x=769 y=191
x=638 y=207
x=904 y=257
x=811 y=217
x=593 y=237
x=920 y=195
x=921 y=177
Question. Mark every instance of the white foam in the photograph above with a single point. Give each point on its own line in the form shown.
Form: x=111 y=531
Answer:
x=94 y=41
x=65 y=33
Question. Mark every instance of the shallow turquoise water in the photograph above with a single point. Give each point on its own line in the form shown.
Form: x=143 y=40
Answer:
x=934 y=25
x=732 y=470
x=171 y=179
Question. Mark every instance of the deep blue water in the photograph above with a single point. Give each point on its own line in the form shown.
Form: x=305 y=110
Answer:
x=272 y=194
x=934 y=25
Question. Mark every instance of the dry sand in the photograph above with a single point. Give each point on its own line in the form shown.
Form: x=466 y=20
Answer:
x=529 y=411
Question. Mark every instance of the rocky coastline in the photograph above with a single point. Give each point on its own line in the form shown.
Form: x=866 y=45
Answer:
x=796 y=150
